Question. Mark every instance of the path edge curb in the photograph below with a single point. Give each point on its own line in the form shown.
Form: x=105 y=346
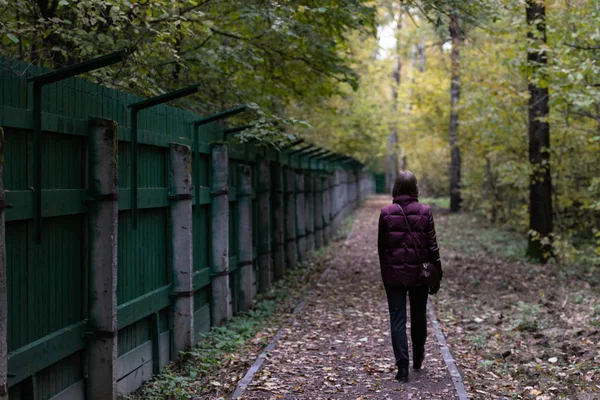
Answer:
x=447 y=355
x=243 y=384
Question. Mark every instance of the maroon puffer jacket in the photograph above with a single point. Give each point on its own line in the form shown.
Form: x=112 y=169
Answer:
x=399 y=261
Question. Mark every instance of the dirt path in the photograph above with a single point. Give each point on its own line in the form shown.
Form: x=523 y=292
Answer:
x=339 y=346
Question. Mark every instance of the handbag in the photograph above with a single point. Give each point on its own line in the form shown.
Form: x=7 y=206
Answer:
x=430 y=273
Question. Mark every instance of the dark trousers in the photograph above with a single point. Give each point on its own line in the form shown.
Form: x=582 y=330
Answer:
x=417 y=296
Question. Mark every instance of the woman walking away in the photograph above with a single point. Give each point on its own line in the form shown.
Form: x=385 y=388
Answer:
x=408 y=252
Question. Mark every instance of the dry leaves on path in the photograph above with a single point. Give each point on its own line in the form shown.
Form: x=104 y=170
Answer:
x=339 y=345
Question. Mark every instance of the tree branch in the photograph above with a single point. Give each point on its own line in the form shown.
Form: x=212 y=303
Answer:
x=589 y=48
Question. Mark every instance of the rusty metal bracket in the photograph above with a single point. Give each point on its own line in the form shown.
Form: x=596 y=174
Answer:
x=245 y=263
x=102 y=334
x=183 y=293
x=103 y=197
x=219 y=192
x=182 y=196
x=4 y=205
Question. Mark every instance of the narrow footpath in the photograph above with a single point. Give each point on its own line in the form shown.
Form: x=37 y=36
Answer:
x=339 y=346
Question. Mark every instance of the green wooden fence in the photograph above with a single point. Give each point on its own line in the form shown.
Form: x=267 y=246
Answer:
x=50 y=301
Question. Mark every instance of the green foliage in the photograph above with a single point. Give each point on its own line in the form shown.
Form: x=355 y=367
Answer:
x=493 y=114
x=315 y=69
x=477 y=340
x=355 y=122
x=269 y=53
x=486 y=364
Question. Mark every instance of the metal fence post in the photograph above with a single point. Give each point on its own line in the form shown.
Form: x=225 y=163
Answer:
x=277 y=196
x=291 y=256
x=221 y=295
x=244 y=232
x=181 y=245
x=102 y=325
x=3 y=286
x=300 y=217
x=265 y=266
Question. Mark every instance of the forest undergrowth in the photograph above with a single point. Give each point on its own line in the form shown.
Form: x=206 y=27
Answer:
x=517 y=330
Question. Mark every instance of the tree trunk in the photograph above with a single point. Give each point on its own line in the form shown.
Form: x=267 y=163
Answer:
x=540 y=186
x=455 y=196
x=392 y=162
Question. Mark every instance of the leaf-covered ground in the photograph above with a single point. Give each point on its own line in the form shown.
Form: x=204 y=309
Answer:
x=517 y=330
x=339 y=346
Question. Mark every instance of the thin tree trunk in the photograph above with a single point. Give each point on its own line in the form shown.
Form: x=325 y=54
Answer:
x=455 y=196
x=392 y=162
x=540 y=186
x=422 y=54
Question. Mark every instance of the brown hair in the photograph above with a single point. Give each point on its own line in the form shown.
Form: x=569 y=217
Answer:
x=405 y=184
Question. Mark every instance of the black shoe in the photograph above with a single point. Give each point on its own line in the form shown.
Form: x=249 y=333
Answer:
x=402 y=374
x=418 y=363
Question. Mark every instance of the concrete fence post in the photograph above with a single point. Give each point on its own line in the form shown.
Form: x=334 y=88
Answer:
x=309 y=201
x=244 y=226
x=300 y=216
x=343 y=197
x=277 y=195
x=291 y=255
x=265 y=266
x=3 y=283
x=359 y=187
x=325 y=222
x=352 y=190
x=180 y=179
x=104 y=217
x=317 y=213
x=337 y=200
x=221 y=295
x=333 y=203
x=348 y=193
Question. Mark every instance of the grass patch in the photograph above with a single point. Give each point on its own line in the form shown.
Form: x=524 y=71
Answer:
x=442 y=202
x=466 y=233
x=346 y=227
